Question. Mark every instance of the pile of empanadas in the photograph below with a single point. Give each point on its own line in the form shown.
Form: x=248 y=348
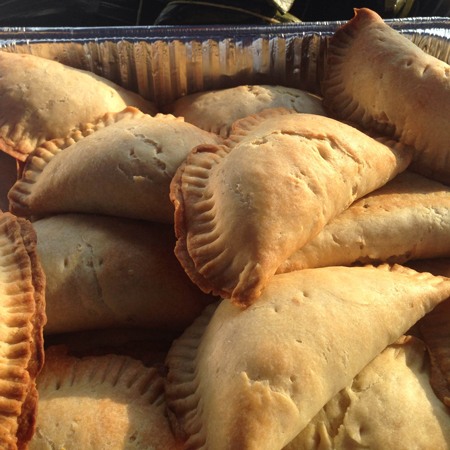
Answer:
x=252 y=268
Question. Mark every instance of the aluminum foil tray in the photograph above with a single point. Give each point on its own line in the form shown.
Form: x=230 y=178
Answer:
x=163 y=63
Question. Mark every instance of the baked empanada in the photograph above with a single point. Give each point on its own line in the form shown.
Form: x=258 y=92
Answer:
x=22 y=316
x=105 y=272
x=388 y=406
x=123 y=167
x=42 y=100
x=380 y=79
x=216 y=111
x=408 y=218
x=100 y=403
x=254 y=378
x=241 y=212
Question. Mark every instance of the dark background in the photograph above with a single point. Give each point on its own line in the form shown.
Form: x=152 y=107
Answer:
x=88 y=13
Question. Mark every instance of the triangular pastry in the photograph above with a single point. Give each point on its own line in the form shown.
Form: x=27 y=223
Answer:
x=100 y=403
x=389 y=405
x=408 y=218
x=42 y=100
x=123 y=167
x=22 y=317
x=243 y=208
x=105 y=272
x=253 y=379
x=216 y=111
x=380 y=79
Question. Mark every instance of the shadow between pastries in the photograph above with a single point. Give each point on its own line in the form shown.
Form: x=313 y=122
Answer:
x=380 y=79
x=253 y=379
x=42 y=100
x=22 y=304
x=243 y=208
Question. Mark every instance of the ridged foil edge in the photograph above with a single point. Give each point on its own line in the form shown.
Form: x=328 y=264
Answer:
x=164 y=63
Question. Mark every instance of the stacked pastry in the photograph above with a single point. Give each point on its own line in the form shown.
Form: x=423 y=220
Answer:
x=297 y=220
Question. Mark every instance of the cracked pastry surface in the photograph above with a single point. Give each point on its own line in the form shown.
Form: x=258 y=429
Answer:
x=380 y=79
x=120 y=166
x=254 y=378
x=42 y=100
x=100 y=403
x=105 y=272
x=22 y=316
x=389 y=405
x=243 y=208
x=408 y=218
x=216 y=111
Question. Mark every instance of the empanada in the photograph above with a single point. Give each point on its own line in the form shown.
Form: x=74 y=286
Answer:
x=240 y=213
x=22 y=316
x=123 y=167
x=100 y=403
x=105 y=272
x=388 y=406
x=380 y=79
x=408 y=218
x=42 y=100
x=254 y=378
x=216 y=111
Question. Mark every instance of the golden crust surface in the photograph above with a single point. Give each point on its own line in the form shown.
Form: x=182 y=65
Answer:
x=388 y=405
x=254 y=379
x=244 y=208
x=130 y=155
x=380 y=79
x=105 y=272
x=216 y=111
x=43 y=100
x=408 y=218
x=22 y=304
x=101 y=403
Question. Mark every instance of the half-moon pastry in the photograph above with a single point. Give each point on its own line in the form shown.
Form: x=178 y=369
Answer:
x=240 y=213
x=105 y=272
x=380 y=79
x=123 y=167
x=253 y=379
x=42 y=100
x=408 y=218
x=22 y=317
x=100 y=403
x=216 y=111
x=389 y=405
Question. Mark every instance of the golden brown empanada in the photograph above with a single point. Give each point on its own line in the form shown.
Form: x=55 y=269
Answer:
x=42 y=100
x=254 y=378
x=100 y=403
x=388 y=406
x=380 y=79
x=240 y=213
x=408 y=218
x=123 y=167
x=105 y=272
x=22 y=316
x=216 y=111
